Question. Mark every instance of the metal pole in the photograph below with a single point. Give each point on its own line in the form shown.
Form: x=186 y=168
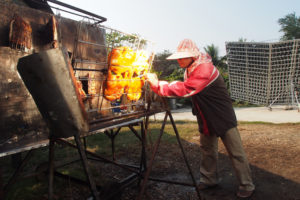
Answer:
x=1 y=184
x=102 y=19
x=183 y=153
x=98 y=157
x=268 y=99
x=51 y=169
x=144 y=155
x=152 y=158
x=85 y=166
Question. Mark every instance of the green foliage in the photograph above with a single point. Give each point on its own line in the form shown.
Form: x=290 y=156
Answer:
x=158 y=73
x=176 y=75
x=242 y=40
x=290 y=26
x=218 y=61
x=117 y=39
x=164 y=67
x=239 y=103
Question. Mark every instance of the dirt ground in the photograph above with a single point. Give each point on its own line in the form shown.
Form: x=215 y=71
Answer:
x=273 y=152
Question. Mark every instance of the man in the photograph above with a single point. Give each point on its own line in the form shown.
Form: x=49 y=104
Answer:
x=215 y=115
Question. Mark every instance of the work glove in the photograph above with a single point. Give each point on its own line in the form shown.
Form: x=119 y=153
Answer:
x=152 y=79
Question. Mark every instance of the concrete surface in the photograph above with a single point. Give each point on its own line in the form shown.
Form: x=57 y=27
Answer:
x=251 y=114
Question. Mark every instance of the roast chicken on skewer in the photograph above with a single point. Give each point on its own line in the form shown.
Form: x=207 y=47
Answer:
x=125 y=74
x=120 y=59
x=117 y=81
x=139 y=67
x=20 y=34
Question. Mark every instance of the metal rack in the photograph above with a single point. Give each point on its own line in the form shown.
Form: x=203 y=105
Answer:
x=264 y=73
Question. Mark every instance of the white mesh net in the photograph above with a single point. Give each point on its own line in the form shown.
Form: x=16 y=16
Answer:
x=264 y=73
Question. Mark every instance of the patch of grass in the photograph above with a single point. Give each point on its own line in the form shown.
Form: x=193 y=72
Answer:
x=27 y=189
x=186 y=130
x=270 y=123
x=238 y=104
x=254 y=122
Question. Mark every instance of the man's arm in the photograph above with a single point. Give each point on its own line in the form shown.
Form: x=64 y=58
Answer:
x=201 y=77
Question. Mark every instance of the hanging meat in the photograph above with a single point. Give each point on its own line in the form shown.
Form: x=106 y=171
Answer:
x=20 y=34
x=121 y=56
x=139 y=67
x=51 y=32
x=80 y=89
x=117 y=81
x=125 y=74
x=119 y=72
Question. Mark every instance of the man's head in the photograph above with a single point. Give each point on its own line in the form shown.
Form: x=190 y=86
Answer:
x=187 y=52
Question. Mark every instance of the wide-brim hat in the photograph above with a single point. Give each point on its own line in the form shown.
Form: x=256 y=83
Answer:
x=186 y=49
x=182 y=54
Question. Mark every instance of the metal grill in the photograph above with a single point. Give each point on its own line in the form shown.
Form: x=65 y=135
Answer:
x=92 y=72
x=88 y=44
x=264 y=73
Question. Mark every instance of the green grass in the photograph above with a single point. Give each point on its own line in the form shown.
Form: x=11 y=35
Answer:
x=260 y=122
x=238 y=104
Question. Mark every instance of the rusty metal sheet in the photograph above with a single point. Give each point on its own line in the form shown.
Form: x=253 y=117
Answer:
x=50 y=80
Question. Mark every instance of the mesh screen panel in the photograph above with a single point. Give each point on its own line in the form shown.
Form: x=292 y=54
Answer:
x=264 y=73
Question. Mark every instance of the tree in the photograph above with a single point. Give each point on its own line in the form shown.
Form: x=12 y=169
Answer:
x=163 y=67
x=218 y=61
x=117 y=39
x=242 y=40
x=290 y=26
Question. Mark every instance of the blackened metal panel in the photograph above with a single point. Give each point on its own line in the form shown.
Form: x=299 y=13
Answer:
x=51 y=82
x=20 y=121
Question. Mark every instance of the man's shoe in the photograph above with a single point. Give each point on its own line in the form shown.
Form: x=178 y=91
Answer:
x=203 y=186
x=244 y=193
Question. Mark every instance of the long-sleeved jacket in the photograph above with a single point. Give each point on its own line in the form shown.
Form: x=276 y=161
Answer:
x=211 y=102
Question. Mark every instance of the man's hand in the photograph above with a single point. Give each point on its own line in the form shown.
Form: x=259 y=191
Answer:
x=152 y=79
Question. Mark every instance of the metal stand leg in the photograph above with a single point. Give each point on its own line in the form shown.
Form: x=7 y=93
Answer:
x=1 y=185
x=147 y=174
x=297 y=101
x=112 y=136
x=146 y=177
x=143 y=165
x=85 y=166
x=51 y=168
x=183 y=153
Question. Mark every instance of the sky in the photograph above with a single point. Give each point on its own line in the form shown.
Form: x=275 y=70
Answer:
x=167 y=22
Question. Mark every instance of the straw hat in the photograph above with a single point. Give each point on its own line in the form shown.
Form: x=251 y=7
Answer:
x=186 y=49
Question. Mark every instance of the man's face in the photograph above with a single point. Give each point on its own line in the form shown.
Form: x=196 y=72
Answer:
x=185 y=62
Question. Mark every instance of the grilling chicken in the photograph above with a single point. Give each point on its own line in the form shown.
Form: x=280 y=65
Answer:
x=121 y=56
x=20 y=34
x=120 y=61
x=126 y=69
x=117 y=80
x=80 y=89
x=139 y=68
